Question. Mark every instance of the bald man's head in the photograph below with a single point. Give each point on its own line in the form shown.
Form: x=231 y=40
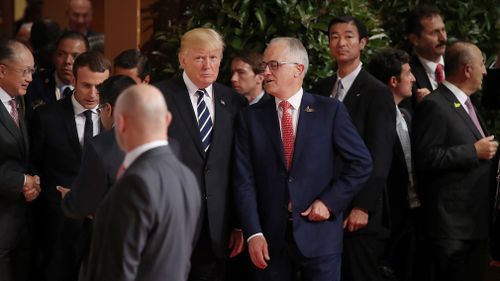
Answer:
x=141 y=116
x=79 y=14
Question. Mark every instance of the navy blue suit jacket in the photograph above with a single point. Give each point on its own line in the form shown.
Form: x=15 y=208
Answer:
x=263 y=186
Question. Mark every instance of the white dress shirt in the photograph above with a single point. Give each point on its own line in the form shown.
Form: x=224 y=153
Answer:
x=459 y=94
x=430 y=70
x=6 y=98
x=208 y=97
x=80 y=119
x=294 y=109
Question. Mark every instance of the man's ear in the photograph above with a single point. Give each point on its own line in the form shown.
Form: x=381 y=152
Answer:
x=146 y=79
x=393 y=82
x=413 y=38
x=362 y=43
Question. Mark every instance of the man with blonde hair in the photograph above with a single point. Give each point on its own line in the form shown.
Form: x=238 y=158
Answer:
x=203 y=116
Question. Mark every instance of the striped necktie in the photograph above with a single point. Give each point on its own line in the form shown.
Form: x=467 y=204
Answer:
x=204 y=120
x=13 y=112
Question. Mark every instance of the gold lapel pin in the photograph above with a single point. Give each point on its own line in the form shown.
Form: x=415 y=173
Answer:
x=309 y=109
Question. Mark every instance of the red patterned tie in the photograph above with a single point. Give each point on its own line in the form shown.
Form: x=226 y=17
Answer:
x=13 y=111
x=120 y=172
x=287 y=133
x=439 y=73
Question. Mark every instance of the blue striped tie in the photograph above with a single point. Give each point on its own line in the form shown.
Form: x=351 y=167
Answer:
x=204 y=120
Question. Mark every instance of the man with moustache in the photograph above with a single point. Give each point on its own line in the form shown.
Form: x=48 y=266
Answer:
x=427 y=34
x=18 y=185
x=50 y=85
x=289 y=201
x=391 y=66
x=58 y=135
x=203 y=113
x=371 y=107
x=246 y=77
x=453 y=153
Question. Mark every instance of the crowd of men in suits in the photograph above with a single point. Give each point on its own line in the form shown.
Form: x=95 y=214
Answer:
x=383 y=172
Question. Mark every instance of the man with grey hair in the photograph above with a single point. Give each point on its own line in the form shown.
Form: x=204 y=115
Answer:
x=284 y=173
x=145 y=227
x=204 y=112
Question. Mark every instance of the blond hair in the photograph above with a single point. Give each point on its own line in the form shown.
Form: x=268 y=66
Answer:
x=203 y=38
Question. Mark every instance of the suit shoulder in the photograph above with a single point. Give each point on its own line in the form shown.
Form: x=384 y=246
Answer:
x=323 y=86
x=229 y=93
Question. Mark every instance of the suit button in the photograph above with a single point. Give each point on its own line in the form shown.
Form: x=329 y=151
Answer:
x=290 y=180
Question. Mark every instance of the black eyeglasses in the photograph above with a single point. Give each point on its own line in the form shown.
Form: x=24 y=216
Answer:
x=273 y=65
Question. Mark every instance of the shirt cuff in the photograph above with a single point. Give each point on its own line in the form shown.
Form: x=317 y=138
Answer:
x=255 y=235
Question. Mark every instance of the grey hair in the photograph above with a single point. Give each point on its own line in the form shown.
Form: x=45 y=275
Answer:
x=295 y=49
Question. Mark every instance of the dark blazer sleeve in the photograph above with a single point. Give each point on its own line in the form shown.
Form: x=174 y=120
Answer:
x=491 y=89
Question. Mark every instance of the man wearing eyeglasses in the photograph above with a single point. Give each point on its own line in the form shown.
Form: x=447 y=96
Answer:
x=58 y=135
x=17 y=185
x=289 y=204
x=372 y=109
x=203 y=114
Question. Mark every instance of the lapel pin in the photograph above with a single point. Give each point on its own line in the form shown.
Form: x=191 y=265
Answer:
x=456 y=104
x=222 y=102
x=309 y=109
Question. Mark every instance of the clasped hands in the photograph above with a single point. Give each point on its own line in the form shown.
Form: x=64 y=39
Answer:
x=31 y=188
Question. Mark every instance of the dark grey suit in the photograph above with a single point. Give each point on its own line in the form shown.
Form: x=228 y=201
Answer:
x=454 y=185
x=14 y=210
x=144 y=229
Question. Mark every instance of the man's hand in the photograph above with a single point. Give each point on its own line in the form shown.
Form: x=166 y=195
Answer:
x=62 y=190
x=356 y=220
x=259 y=254
x=486 y=148
x=31 y=188
x=317 y=211
x=236 y=242
x=421 y=93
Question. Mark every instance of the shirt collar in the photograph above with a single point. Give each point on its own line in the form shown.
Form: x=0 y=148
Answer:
x=4 y=96
x=192 y=88
x=257 y=98
x=293 y=100
x=430 y=66
x=132 y=155
x=349 y=78
x=79 y=109
x=459 y=94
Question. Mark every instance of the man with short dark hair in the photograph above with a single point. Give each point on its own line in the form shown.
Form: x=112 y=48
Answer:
x=246 y=76
x=58 y=135
x=427 y=34
x=50 y=85
x=391 y=66
x=134 y=64
x=371 y=107
x=453 y=153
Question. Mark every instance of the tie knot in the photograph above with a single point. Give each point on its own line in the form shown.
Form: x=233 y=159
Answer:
x=439 y=73
x=201 y=93
x=285 y=105
x=88 y=114
x=468 y=103
x=13 y=103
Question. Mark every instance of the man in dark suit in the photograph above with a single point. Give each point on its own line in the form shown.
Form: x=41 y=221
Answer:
x=391 y=66
x=58 y=135
x=50 y=85
x=133 y=63
x=17 y=185
x=101 y=157
x=288 y=200
x=246 y=77
x=427 y=34
x=453 y=152
x=203 y=119
x=154 y=207
x=371 y=107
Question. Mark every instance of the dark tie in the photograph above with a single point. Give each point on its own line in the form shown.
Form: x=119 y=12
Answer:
x=13 y=111
x=88 y=131
x=204 y=120
x=66 y=92
x=287 y=136
x=439 y=73
x=473 y=116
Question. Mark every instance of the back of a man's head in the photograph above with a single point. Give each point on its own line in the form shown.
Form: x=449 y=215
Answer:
x=141 y=116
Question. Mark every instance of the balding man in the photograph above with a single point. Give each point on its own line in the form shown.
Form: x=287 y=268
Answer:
x=453 y=159
x=288 y=200
x=79 y=13
x=17 y=186
x=144 y=229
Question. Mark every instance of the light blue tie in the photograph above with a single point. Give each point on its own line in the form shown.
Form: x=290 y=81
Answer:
x=204 y=120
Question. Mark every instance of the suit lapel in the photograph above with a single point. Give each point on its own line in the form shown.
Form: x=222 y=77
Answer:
x=457 y=106
x=304 y=125
x=185 y=108
x=69 y=122
x=223 y=120
x=269 y=119
x=418 y=71
x=12 y=128
x=354 y=94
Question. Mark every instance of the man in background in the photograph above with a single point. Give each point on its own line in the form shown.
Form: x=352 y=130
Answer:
x=134 y=64
x=246 y=77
